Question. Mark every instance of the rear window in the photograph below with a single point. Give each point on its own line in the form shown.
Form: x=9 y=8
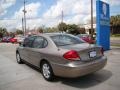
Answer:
x=63 y=40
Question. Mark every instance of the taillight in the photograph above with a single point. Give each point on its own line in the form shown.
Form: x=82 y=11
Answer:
x=71 y=55
x=102 y=51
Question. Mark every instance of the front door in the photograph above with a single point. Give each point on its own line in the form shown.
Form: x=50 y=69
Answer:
x=36 y=50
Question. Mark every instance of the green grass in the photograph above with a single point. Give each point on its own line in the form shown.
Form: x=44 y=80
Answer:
x=115 y=35
x=117 y=45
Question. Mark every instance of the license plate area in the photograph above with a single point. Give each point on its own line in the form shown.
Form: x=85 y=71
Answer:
x=92 y=54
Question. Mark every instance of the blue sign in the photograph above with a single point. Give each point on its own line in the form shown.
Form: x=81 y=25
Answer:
x=103 y=24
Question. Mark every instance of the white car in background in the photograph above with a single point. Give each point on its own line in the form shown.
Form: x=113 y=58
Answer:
x=20 y=38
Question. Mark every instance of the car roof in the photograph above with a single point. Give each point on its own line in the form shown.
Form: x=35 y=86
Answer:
x=52 y=34
x=49 y=34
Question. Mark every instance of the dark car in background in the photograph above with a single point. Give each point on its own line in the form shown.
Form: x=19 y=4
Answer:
x=86 y=38
x=6 y=39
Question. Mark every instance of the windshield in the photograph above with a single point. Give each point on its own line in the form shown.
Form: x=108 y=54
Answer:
x=62 y=40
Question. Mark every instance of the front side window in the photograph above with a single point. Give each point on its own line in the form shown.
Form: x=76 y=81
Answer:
x=28 y=41
x=39 y=42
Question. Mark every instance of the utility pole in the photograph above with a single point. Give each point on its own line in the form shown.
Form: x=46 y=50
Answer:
x=62 y=17
x=92 y=19
x=24 y=11
x=23 y=27
x=62 y=20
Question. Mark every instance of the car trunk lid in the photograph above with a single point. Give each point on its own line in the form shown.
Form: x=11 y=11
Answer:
x=87 y=52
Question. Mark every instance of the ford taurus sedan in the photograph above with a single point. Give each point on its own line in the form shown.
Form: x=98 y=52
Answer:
x=61 y=55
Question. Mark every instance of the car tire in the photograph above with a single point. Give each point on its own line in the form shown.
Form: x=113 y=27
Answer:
x=18 y=58
x=47 y=71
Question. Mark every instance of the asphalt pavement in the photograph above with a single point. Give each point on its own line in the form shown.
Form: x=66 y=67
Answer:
x=15 y=76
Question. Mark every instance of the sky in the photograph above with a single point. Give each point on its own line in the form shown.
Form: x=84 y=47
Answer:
x=48 y=12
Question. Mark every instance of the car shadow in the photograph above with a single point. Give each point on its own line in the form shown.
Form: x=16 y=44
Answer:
x=86 y=81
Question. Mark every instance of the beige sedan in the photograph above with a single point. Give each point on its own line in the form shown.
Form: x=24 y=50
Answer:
x=61 y=55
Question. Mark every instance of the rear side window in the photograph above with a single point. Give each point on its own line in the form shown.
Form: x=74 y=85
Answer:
x=40 y=42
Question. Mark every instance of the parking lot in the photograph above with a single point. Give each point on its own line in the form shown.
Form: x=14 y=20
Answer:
x=15 y=76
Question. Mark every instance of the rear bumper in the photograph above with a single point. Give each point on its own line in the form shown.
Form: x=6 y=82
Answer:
x=73 y=71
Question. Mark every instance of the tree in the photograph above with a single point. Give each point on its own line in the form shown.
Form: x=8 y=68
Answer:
x=11 y=34
x=51 y=30
x=3 y=32
x=62 y=27
x=115 y=24
x=73 y=29
x=19 y=32
x=82 y=30
x=40 y=30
